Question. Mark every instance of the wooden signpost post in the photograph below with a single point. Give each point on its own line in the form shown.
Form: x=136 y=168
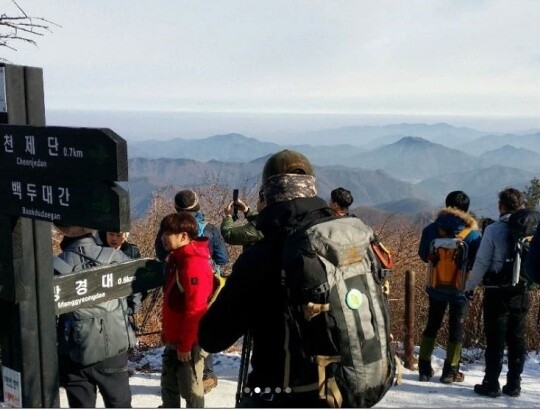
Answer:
x=62 y=175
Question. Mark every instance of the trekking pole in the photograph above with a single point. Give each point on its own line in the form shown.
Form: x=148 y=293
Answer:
x=244 y=367
x=409 y=319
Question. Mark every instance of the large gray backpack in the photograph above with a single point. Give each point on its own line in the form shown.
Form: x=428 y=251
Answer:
x=90 y=335
x=337 y=312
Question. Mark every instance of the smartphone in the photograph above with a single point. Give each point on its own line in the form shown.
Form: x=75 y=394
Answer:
x=235 y=208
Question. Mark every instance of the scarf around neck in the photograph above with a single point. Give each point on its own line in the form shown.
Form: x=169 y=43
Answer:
x=284 y=187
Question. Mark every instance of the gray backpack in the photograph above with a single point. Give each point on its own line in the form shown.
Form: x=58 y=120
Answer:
x=90 y=335
x=337 y=312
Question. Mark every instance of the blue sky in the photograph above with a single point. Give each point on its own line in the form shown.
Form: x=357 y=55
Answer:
x=405 y=57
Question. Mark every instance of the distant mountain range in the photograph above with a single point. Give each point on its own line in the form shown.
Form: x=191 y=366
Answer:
x=368 y=187
x=414 y=159
x=369 y=136
x=404 y=174
x=481 y=185
x=492 y=142
x=510 y=156
x=229 y=147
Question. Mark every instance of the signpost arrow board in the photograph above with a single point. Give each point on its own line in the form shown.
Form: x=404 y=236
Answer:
x=95 y=154
x=93 y=204
x=88 y=287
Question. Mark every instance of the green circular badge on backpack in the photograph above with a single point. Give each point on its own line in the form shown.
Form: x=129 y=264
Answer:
x=354 y=299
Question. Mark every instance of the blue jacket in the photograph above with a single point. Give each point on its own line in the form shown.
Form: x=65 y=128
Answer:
x=452 y=221
x=216 y=244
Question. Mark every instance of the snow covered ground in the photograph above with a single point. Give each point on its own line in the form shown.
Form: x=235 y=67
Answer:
x=410 y=394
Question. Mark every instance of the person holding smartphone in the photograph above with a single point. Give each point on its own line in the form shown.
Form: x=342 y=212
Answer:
x=247 y=234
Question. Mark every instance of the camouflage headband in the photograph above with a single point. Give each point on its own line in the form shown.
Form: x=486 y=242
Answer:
x=284 y=187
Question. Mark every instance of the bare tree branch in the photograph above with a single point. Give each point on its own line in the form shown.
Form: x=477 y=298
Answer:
x=22 y=28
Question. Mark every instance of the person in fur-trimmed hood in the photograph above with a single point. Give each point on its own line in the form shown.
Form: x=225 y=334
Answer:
x=452 y=221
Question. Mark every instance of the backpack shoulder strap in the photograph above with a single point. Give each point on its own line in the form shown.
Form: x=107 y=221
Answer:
x=104 y=251
x=85 y=256
x=60 y=266
x=201 y=227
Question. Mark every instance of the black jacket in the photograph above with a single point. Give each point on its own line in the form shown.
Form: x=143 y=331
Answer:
x=252 y=300
x=532 y=263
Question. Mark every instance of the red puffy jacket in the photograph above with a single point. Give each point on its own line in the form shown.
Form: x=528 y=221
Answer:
x=183 y=309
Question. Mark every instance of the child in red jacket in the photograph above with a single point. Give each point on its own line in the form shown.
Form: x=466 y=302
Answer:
x=188 y=285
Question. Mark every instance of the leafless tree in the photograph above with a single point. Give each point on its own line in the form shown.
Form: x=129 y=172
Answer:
x=22 y=28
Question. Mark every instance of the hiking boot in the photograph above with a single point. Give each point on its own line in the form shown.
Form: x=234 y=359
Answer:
x=487 y=389
x=512 y=390
x=425 y=370
x=451 y=374
x=209 y=382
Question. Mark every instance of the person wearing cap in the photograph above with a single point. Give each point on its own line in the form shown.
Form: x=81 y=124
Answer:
x=247 y=234
x=188 y=200
x=92 y=342
x=251 y=303
x=340 y=201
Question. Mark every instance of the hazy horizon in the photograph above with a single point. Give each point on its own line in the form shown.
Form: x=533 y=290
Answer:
x=144 y=125
x=358 y=58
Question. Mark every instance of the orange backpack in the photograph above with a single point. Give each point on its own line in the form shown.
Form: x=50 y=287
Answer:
x=447 y=262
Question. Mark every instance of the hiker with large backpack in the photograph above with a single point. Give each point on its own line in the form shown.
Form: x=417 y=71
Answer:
x=310 y=294
x=506 y=297
x=93 y=342
x=448 y=245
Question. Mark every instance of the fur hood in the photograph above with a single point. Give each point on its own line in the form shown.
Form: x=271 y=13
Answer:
x=453 y=219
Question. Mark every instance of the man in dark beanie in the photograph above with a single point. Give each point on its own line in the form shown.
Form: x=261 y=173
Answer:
x=251 y=301
x=188 y=200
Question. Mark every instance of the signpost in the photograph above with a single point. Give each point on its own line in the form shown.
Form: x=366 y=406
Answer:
x=91 y=286
x=79 y=153
x=62 y=175
x=95 y=204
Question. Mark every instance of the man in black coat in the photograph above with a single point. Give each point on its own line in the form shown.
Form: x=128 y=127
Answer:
x=252 y=300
